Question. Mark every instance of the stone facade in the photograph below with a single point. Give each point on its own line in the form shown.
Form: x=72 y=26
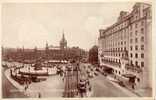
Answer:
x=126 y=45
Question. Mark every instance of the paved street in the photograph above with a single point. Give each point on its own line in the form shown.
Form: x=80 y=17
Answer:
x=9 y=91
x=52 y=87
x=70 y=89
x=103 y=88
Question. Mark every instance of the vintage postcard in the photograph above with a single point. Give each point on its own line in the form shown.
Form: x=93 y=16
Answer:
x=77 y=49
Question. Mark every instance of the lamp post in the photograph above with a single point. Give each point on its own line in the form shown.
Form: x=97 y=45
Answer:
x=77 y=76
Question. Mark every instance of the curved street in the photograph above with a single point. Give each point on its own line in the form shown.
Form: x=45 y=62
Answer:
x=101 y=87
x=9 y=91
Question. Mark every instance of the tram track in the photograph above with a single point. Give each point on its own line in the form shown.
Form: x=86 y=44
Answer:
x=70 y=84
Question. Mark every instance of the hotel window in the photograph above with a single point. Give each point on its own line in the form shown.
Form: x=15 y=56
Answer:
x=142 y=31
x=136 y=55
x=142 y=64
x=131 y=34
x=130 y=27
x=131 y=62
x=131 y=55
x=142 y=39
x=142 y=47
x=136 y=63
x=136 y=33
x=136 y=25
x=136 y=40
x=122 y=54
x=121 y=49
x=125 y=42
x=131 y=40
x=121 y=43
x=125 y=48
x=142 y=22
x=136 y=47
x=131 y=47
x=142 y=55
x=136 y=16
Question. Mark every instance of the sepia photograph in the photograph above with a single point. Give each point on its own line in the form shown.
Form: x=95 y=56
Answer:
x=76 y=49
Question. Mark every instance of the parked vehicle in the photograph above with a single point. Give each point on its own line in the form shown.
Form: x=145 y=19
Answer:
x=90 y=75
x=103 y=73
x=97 y=69
x=69 y=68
x=88 y=71
x=96 y=73
x=121 y=83
x=91 y=69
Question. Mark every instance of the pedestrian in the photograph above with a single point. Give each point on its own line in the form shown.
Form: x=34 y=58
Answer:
x=39 y=95
x=132 y=86
x=25 y=88
x=82 y=88
x=114 y=77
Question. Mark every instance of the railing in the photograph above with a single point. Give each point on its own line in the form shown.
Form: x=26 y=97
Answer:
x=111 y=63
x=133 y=68
x=71 y=89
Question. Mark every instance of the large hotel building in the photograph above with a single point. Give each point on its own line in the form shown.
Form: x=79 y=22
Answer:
x=125 y=46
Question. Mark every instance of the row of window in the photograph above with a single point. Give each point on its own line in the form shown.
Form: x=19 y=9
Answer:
x=115 y=54
x=115 y=43
x=136 y=24
x=124 y=42
x=111 y=60
x=136 y=63
x=124 y=48
x=124 y=31
x=117 y=72
x=136 y=32
x=118 y=27
x=118 y=61
x=116 y=49
x=136 y=55
x=136 y=47
x=136 y=40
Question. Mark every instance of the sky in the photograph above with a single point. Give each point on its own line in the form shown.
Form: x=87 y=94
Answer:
x=32 y=24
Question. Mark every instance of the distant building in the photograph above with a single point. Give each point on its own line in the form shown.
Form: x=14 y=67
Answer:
x=50 y=52
x=125 y=47
x=63 y=43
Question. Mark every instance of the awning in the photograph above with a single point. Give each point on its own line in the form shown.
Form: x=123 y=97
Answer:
x=106 y=68
x=129 y=75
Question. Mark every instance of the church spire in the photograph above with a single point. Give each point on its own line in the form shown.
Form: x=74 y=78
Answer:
x=63 y=42
x=46 y=49
x=46 y=44
x=63 y=35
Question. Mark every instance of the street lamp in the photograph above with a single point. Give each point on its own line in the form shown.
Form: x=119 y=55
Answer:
x=77 y=69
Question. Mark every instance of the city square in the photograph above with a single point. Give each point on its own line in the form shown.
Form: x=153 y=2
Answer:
x=52 y=54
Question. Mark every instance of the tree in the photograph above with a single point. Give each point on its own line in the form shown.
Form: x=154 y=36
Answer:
x=93 y=55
